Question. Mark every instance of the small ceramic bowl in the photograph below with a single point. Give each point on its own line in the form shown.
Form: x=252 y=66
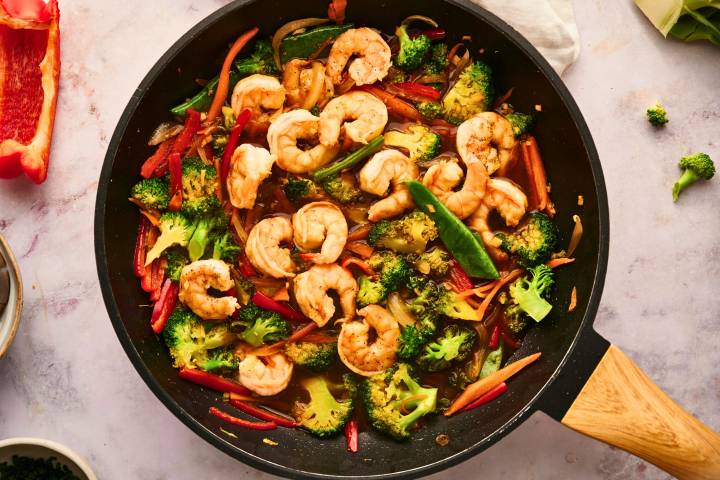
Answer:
x=10 y=296
x=40 y=448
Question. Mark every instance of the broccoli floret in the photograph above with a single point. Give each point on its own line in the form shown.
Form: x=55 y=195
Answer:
x=188 y=341
x=244 y=289
x=412 y=51
x=409 y=234
x=219 y=142
x=427 y=305
x=220 y=358
x=528 y=293
x=435 y=262
x=395 y=75
x=422 y=143
x=314 y=356
x=324 y=416
x=534 y=242
x=300 y=189
x=202 y=235
x=384 y=397
x=453 y=344
x=370 y=291
x=521 y=123
x=343 y=188
x=698 y=166
x=392 y=268
x=409 y=343
x=472 y=93
x=176 y=261
x=429 y=110
x=261 y=325
x=459 y=379
x=198 y=183
x=260 y=61
x=438 y=60
x=656 y=115
x=225 y=248
x=152 y=192
x=515 y=319
x=175 y=229
x=228 y=115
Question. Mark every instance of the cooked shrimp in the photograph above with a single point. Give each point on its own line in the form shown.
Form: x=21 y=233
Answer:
x=368 y=114
x=509 y=201
x=311 y=289
x=384 y=168
x=320 y=224
x=259 y=93
x=249 y=167
x=266 y=375
x=263 y=247
x=372 y=53
x=196 y=278
x=283 y=136
x=441 y=178
x=304 y=87
x=358 y=353
x=488 y=138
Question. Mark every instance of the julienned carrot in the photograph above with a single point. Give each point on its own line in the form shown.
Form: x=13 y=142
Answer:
x=498 y=285
x=223 y=85
x=360 y=233
x=556 y=262
x=395 y=106
x=242 y=423
x=484 y=385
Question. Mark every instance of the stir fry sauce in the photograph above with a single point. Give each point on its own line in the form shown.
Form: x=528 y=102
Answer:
x=235 y=255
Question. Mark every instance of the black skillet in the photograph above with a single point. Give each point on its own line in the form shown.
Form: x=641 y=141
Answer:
x=580 y=379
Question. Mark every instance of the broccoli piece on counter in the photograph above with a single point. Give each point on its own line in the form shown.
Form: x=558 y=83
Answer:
x=698 y=166
x=656 y=115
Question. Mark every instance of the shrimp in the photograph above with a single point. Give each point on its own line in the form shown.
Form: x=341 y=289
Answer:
x=384 y=168
x=368 y=114
x=263 y=247
x=266 y=375
x=441 y=178
x=310 y=289
x=196 y=278
x=249 y=167
x=303 y=87
x=355 y=349
x=372 y=53
x=283 y=136
x=320 y=224
x=488 y=138
x=509 y=201
x=258 y=93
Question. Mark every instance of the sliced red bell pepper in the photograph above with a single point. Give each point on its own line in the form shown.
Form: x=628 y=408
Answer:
x=263 y=414
x=459 y=278
x=164 y=306
x=488 y=397
x=157 y=164
x=239 y=422
x=414 y=88
x=176 y=191
x=140 y=247
x=29 y=78
x=336 y=11
x=246 y=267
x=213 y=382
x=509 y=340
x=434 y=33
x=351 y=436
x=263 y=301
x=191 y=127
x=233 y=140
x=146 y=281
x=494 y=337
x=156 y=278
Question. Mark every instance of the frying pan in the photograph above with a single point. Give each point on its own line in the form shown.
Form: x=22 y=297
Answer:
x=581 y=380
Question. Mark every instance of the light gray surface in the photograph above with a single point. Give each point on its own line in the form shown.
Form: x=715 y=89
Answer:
x=66 y=377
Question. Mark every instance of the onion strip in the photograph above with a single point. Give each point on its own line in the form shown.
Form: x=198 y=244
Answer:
x=287 y=29
x=576 y=235
x=316 y=86
x=420 y=18
x=399 y=310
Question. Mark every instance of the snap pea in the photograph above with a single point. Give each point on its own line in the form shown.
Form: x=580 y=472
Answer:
x=333 y=169
x=305 y=44
x=492 y=362
x=460 y=241
x=202 y=100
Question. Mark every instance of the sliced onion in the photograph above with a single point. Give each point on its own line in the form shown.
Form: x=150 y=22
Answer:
x=316 y=86
x=289 y=28
x=434 y=78
x=399 y=310
x=358 y=214
x=575 y=237
x=420 y=18
x=235 y=220
x=164 y=131
x=346 y=85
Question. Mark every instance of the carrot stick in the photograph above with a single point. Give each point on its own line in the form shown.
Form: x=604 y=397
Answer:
x=360 y=233
x=536 y=175
x=484 y=385
x=556 y=262
x=498 y=285
x=360 y=248
x=223 y=85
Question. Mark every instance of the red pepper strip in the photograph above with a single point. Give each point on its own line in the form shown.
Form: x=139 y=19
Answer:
x=212 y=382
x=246 y=267
x=509 y=340
x=157 y=276
x=434 y=33
x=263 y=414
x=176 y=191
x=363 y=266
x=164 y=306
x=395 y=106
x=223 y=85
x=539 y=198
x=146 y=282
x=140 y=247
x=191 y=127
x=263 y=301
x=239 y=422
x=351 y=436
x=459 y=278
x=303 y=332
x=156 y=164
x=29 y=77
x=495 y=337
x=414 y=88
x=488 y=397
x=336 y=11
x=240 y=123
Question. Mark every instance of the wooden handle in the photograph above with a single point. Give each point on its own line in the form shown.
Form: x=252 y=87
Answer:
x=621 y=406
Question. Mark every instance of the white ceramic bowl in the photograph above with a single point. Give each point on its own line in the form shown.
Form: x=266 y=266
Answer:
x=40 y=448
x=10 y=315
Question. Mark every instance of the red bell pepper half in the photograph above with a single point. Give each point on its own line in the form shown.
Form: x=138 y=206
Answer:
x=164 y=306
x=213 y=382
x=29 y=77
x=240 y=123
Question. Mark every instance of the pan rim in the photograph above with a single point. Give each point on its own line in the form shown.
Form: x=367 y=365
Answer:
x=113 y=311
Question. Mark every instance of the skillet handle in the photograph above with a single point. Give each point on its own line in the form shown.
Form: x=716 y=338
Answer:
x=621 y=406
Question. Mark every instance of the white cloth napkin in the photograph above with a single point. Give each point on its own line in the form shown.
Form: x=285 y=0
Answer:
x=548 y=24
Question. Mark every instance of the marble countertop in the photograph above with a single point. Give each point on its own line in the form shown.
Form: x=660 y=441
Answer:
x=66 y=377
